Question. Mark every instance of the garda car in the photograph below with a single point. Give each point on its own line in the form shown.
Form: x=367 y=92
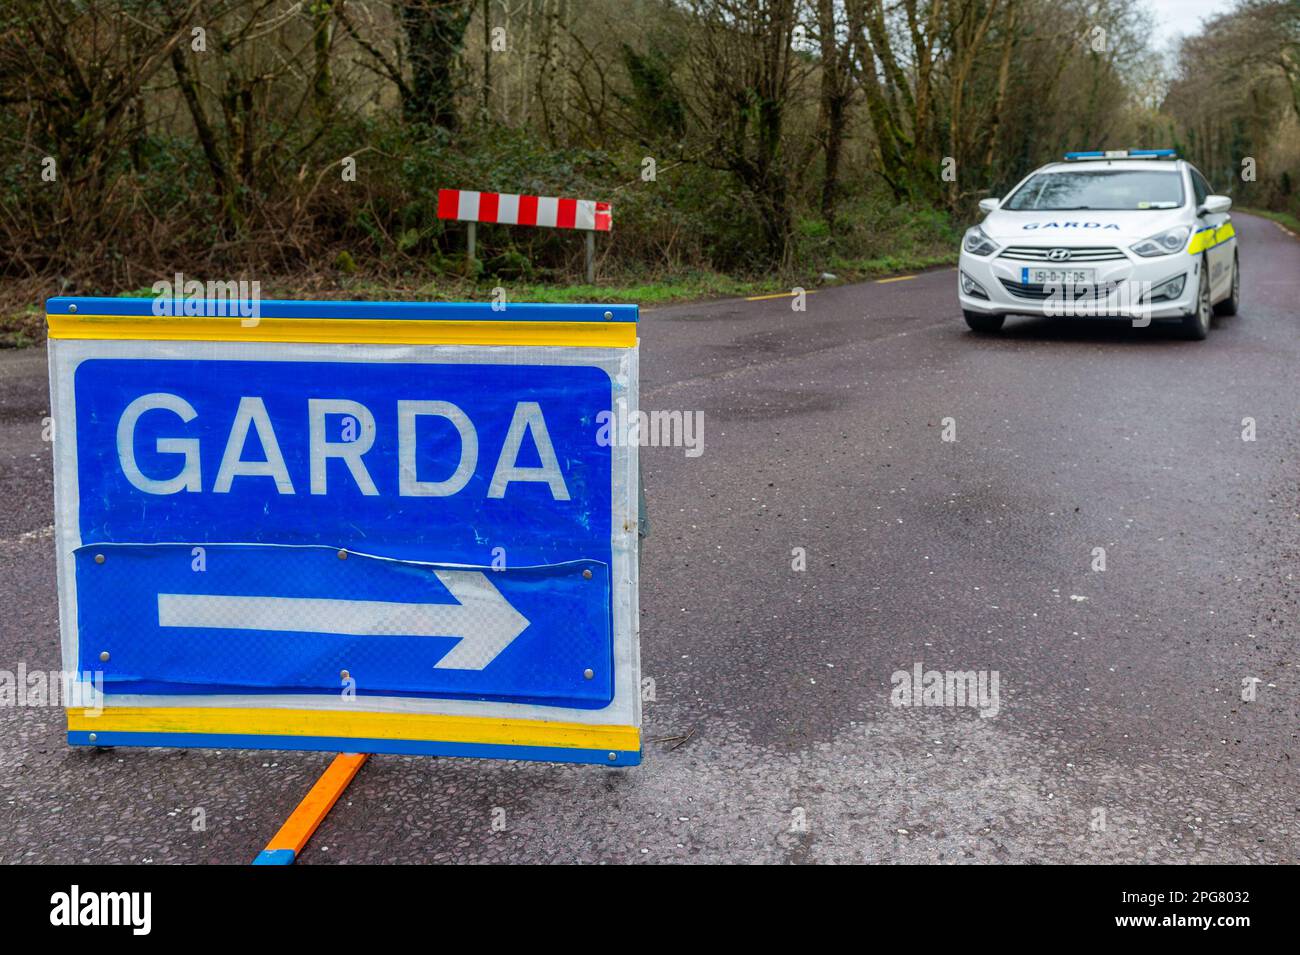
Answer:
x=1131 y=234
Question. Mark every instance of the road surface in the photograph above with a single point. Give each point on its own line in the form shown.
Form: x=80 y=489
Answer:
x=1120 y=731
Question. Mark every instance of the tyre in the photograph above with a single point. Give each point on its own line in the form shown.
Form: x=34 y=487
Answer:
x=1196 y=326
x=1229 y=305
x=983 y=323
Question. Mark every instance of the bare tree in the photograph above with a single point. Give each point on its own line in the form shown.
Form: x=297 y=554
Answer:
x=836 y=95
x=743 y=69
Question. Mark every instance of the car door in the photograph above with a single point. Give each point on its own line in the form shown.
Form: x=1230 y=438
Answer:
x=1218 y=247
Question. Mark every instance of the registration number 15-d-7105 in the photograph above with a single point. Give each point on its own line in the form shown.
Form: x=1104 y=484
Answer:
x=1051 y=276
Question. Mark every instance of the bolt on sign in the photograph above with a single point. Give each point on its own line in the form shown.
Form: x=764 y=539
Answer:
x=349 y=526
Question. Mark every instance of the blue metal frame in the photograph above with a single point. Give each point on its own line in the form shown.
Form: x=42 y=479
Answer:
x=349 y=744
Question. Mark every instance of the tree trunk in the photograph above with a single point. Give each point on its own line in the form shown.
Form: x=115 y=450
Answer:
x=223 y=179
x=835 y=94
x=487 y=56
x=891 y=141
x=435 y=35
x=322 y=84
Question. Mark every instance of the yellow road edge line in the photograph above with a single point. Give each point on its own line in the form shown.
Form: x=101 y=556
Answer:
x=337 y=723
x=315 y=806
x=340 y=331
x=764 y=298
x=897 y=278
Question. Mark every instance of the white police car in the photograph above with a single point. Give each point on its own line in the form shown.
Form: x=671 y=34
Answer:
x=1133 y=234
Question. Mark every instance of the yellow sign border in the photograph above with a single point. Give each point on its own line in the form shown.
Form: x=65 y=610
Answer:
x=213 y=720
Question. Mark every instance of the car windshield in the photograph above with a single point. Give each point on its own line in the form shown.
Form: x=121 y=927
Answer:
x=1099 y=189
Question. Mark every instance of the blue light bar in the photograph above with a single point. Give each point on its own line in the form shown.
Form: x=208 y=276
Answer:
x=1123 y=154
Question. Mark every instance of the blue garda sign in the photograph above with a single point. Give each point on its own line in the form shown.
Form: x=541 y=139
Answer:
x=373 y=527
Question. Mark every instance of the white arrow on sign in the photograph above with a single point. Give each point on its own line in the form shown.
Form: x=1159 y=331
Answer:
x=484 y=620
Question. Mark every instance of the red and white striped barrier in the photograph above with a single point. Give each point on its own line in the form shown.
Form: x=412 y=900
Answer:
x=509 y=209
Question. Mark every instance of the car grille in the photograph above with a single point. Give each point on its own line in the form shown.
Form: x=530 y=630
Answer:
x=1032 y=253
x=1040 y=293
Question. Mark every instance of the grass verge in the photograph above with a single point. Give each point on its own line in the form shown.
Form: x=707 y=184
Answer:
x=21 y=328
x=23 y=325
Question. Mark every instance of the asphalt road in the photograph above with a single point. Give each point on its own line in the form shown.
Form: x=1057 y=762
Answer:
x=1120 y=735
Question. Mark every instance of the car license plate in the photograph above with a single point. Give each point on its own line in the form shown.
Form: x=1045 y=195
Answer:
x=1057 y=276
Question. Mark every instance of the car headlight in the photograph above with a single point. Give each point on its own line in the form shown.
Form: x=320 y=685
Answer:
x=977 y=243
x=1163 y=243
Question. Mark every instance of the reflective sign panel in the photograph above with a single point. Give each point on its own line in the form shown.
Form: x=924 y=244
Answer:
x=353 y=510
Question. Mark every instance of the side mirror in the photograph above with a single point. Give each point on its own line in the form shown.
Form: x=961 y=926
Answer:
x=988 y=205
x=1214 y=205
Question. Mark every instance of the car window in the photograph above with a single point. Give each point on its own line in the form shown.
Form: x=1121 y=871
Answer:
x=1099 y=189
x=1200 y=188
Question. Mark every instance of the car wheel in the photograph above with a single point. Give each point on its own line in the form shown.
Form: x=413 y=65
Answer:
x=1229 y=305
x=1197 y=325
x=983 y=323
